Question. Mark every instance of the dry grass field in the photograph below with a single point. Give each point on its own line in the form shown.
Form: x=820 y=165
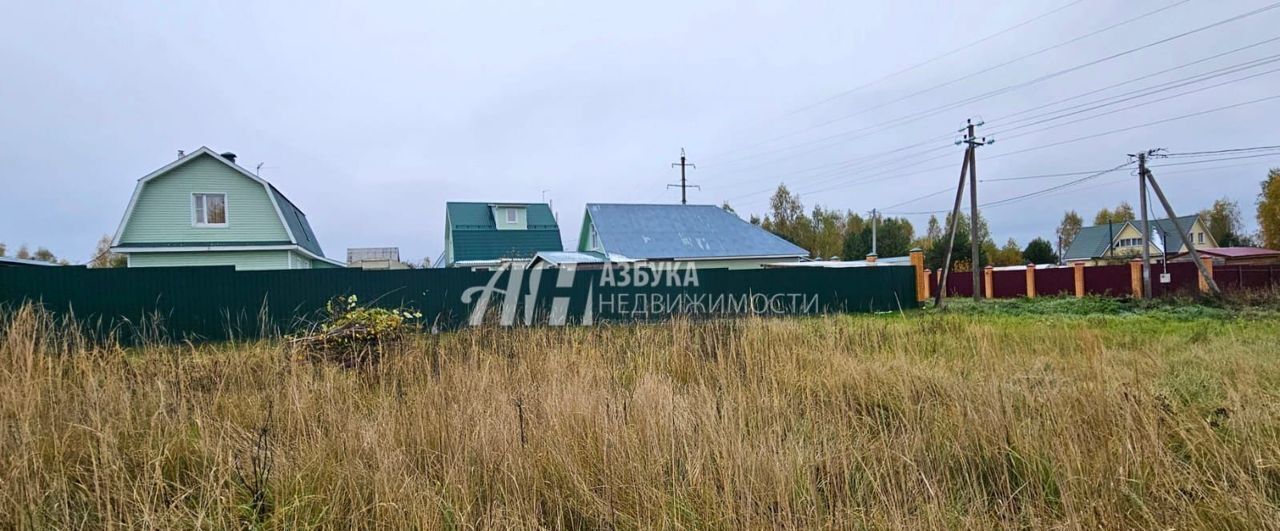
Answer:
x=971 y=419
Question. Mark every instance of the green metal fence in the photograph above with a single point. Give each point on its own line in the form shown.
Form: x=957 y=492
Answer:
x=219 y=302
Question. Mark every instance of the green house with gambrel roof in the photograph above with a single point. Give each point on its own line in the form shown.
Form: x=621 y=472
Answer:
x=204 y=210
x=484 y=234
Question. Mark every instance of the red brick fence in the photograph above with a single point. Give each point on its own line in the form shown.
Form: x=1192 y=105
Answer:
x=1077 y=279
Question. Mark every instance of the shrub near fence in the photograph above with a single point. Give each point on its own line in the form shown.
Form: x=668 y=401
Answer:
x=219 y=302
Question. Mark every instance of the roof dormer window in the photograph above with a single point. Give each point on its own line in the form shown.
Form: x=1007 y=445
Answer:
x=512 y=215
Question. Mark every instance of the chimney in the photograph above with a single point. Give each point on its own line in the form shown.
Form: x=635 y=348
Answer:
x=231 y=157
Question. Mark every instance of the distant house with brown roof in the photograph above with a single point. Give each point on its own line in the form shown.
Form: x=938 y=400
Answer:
x=1236 y=256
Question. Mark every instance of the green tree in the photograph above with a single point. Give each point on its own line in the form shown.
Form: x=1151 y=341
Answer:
x=1067 y=231
x=3 y=249
x=728 y=208
x=23 y=253
x=1122 y=213
x=1009 y=255
x=1040 y=251
x=894 y=237
x=44 y=255
x=1269 y=211
x=828 y=233
x=786 y=218
x=1224 y=221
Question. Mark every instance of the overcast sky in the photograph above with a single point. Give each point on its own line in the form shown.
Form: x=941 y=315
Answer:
x=370 y=116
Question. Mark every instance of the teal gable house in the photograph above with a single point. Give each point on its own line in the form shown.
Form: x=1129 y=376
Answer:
x=485 y=234
x=204 y=210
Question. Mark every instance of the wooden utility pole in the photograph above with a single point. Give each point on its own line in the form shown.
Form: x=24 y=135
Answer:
x=684 y=185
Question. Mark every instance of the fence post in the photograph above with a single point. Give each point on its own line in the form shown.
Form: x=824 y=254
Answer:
x=927 y=272
x=988 y=274
x=1208 y=266
x=922 y=283
x=1031 y=281
x=1079 y=271
x=1135 y=277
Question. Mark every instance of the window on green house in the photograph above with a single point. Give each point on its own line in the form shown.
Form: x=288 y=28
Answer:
x=210 y=210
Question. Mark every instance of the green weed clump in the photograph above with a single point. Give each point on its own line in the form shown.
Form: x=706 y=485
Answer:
x=985 y=418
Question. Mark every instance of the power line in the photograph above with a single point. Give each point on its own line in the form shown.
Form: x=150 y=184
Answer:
x=1162 y=89
x=1068 y=174
x=1220 y=151
x=912 y=67
x=1148 y=91
x=937 y=57
x=985 y=70
x=1139 y=78
x=1090 y=175
x=1008 y=88
x=1139 y=126
x=1134 y=106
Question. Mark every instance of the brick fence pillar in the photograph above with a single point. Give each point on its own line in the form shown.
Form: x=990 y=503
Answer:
x=988 y=273
x=1208 y=266
x=1079 y=271
x=927 y=272
x=1135 y=277
x=1031 y=280
x=871 y=258
x=922 y=283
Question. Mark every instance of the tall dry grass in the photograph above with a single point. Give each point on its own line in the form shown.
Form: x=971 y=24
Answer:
x=850 y=421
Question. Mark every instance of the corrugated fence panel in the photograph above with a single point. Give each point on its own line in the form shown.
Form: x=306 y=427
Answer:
x=1246 y=276
x=1009 y=284
x=1052 y=281
x=960 y=284
x=1184 y=279
x=220 y=302
x=1108 y=281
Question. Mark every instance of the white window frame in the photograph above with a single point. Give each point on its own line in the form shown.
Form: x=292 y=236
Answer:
x=595 y=240
x=1200 y=238
x=512 y=216
x=226 y=211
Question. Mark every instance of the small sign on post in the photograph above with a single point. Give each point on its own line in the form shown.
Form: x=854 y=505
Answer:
x=1165 y=278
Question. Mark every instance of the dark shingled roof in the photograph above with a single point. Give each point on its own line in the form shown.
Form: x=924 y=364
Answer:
x=297 y=221
x=681 y=231
x=476 y=236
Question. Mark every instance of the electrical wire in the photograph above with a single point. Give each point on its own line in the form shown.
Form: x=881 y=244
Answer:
x=987 y=70
x=910 y=68
x=1007 y=88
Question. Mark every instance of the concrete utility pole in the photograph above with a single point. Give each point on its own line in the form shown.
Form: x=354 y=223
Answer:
x=684 y=185
x=974 y=242
x=874 y=215
x=1146 y=225
x=1186 y=237
x=952 y=223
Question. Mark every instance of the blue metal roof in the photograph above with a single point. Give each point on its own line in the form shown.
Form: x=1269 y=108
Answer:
x=680 y=231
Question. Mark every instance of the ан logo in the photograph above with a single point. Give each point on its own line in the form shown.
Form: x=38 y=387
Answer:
x=518 y=276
